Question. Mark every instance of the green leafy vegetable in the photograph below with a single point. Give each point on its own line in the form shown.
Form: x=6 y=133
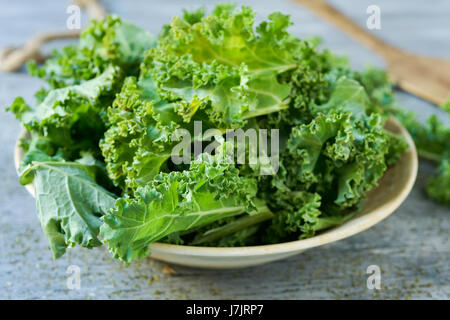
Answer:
x=222 y=65
x=138 y=142
x=438 y=187
x=176 y=201
x=102 y=135
x=105 y=42
x=71 y=117
x=69 y=203
x=432 y=138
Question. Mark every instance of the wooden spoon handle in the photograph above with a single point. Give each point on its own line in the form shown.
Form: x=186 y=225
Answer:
x=94 y=7
x=329 y=13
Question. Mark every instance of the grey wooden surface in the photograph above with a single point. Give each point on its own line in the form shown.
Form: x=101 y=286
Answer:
x=411 y=247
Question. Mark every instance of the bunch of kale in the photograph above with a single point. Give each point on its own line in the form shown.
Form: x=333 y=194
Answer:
x=101 y=136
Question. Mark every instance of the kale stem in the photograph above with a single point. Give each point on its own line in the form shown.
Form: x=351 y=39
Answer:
x=328 y=222
x=242 y=223
x=429 y=155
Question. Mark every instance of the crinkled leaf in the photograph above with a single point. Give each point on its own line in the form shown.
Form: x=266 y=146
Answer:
x=438 y=186
x=138 y=141
x=176 y=201
x=71 y=117
x=106 y=42
x=220 y=64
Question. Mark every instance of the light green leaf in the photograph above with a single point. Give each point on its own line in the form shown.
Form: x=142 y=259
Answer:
x=221 y=64
x=176 y=201
x=348 y=96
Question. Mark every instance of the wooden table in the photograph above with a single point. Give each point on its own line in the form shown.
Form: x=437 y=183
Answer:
x=411 y=247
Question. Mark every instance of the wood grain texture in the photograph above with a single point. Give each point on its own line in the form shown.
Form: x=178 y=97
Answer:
x=411 y=246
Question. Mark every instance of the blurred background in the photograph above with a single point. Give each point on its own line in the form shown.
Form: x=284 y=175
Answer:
x=411 y=246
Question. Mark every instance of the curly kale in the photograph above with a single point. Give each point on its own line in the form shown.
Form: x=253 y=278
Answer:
x=104 y=130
